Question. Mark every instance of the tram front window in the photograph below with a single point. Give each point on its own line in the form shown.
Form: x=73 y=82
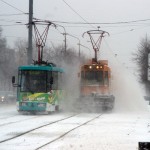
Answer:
x=33 y=81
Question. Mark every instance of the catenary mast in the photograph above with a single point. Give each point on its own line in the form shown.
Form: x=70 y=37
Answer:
x=29 y=50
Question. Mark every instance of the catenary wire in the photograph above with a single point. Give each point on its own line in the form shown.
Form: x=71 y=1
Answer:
x=13 y=7
x=78 y=14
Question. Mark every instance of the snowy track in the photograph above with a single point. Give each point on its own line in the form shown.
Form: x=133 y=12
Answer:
x=65 y=131
x=13 y=119
x=31 y=124
x=52 y=129
x=68 y=131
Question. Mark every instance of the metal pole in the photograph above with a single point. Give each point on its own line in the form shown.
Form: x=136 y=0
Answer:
x=65 y=43
x=79 y=48
x=29 y=51
x=64 y=34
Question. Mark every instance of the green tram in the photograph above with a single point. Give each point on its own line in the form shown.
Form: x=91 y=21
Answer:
x=39 y=87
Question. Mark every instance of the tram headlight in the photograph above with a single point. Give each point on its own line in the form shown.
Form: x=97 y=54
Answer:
x=2 y=98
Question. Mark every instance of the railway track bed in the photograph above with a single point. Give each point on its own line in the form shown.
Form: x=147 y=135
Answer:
x=65 y=131
x=41 y=134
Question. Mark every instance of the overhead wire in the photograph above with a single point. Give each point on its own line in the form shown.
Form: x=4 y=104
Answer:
x=130 y=30
x=13 y=7
x=18 y=22
x=78 y=14
x=11 y=14
x=111 y=51
x=5 y=25
x=120 y=22
x=114 y=24
x=132 y=23
x=80 y=23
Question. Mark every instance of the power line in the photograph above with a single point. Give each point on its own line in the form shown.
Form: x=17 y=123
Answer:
x=121 y=22
x=13 y=37
x=18 y=21
x=12 y=14
x=133 y=29
x=105 y=25
x=5 y=25
x=77 y=13
x=13 y=7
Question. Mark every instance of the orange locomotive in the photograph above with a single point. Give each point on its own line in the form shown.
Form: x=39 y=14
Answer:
x=95 y=84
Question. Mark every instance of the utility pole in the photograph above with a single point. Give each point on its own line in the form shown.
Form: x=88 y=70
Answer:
x=29 y=50
x=65 y=41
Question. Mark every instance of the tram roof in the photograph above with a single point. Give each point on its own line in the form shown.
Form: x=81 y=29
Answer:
x=41 y=67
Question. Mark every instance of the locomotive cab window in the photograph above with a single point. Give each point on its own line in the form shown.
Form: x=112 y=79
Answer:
x=92 y=77
x=106 y=79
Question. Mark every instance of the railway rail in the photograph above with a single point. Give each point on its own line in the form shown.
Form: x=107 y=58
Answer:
x=8 y=117
x=35 y=129
x=21 y=120
x=64 y=134
x=69 y=123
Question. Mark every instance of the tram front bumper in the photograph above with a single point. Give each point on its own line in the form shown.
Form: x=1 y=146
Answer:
x=31 y=106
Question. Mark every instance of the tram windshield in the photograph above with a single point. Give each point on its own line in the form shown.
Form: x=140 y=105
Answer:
x=33 y=81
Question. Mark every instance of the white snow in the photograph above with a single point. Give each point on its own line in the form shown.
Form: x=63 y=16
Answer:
x=110 y=131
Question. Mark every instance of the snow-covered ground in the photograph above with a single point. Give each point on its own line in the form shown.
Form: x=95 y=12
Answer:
x=109 y=131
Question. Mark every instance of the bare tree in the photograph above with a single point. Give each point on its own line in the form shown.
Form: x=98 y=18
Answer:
x=141 y=59
x=21 y=52
x=7 y=63
x=2 y=47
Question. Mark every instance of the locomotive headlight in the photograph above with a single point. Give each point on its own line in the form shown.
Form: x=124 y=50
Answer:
x=101 y=67
x=97 y=67
x=90 y=67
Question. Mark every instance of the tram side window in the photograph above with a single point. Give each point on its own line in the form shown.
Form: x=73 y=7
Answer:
x=60 y=81
x=53 y=86
x=19 y=78
x=24 y=81
x=55 y=80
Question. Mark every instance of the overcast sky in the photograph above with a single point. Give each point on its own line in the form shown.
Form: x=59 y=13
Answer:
x=124 y=37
